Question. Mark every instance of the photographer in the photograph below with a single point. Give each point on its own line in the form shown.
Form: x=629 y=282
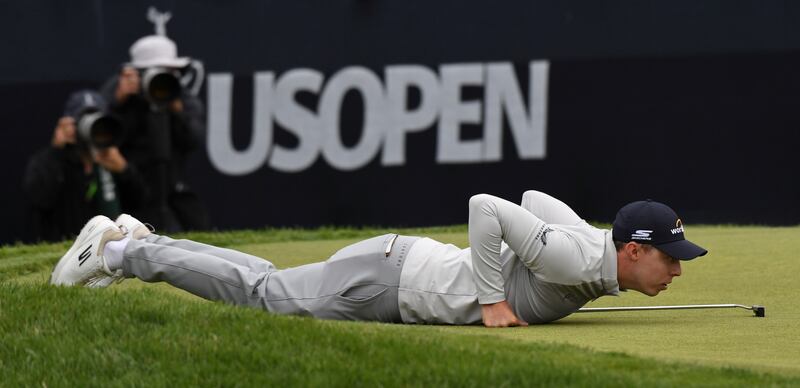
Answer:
x=163 y=122
x=81 y=172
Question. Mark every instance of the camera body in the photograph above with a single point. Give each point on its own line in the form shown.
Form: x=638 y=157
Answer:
x=97 y=130
x=160 y=85
x=94 y=127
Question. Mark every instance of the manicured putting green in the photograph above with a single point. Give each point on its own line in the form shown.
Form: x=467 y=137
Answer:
x=746 y=265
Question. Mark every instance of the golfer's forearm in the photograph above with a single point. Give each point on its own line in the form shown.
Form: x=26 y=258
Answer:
x=493 y=220
x=485 y=236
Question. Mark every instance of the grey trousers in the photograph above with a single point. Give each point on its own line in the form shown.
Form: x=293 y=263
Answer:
x=359 y=282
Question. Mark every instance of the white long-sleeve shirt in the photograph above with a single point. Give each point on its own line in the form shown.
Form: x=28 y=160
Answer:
x=554 y=263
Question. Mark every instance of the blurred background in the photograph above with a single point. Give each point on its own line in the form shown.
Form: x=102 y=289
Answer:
x=393 y=113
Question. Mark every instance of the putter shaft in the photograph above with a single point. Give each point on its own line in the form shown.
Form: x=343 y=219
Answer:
x=758 y=310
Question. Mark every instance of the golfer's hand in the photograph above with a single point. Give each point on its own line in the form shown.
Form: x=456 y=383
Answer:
x=128 y=84
x=500 y=315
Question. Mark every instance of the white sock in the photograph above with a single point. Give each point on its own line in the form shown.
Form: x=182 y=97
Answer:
x=113 y=253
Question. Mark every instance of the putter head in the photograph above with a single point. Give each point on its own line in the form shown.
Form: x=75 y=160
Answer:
x=759 y=310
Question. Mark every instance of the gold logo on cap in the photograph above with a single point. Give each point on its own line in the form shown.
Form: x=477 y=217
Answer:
x=678 y=227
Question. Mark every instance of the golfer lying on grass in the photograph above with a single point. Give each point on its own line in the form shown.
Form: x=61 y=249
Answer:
x=535 y=263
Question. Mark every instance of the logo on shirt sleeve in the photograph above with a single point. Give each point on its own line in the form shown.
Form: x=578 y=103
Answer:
x=543 y=234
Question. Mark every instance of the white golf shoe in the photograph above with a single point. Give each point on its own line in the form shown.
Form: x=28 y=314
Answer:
x=83 y=264
x=132 y=227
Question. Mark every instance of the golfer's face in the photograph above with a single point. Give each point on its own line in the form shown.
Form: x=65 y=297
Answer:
x=659 y=269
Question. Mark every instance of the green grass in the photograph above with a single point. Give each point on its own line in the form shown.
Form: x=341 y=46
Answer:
x=138 y=334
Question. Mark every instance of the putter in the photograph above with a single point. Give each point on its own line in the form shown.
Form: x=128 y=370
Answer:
x=758 y=310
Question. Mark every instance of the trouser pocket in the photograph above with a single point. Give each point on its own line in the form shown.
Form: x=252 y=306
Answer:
x=362 y=295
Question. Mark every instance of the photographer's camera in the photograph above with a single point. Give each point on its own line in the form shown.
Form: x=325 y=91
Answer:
x=161 y=85
x=94 y=127
x=98 y=130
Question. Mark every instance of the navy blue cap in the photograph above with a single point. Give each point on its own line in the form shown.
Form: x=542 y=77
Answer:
x=84 y=101
x=651 y=222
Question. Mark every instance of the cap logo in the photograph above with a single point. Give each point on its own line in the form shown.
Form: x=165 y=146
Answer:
x=641 y=234
x=88 y=100
x=678 y=227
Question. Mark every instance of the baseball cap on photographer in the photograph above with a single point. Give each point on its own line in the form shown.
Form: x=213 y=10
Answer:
x=156 y=51
x=650 y=222
x=84 y=101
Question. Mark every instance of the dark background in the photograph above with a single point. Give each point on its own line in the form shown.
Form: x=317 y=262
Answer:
x=692 y=103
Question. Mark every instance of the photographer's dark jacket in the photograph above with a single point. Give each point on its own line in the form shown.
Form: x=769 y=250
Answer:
x=159 y=142
x=62 y=197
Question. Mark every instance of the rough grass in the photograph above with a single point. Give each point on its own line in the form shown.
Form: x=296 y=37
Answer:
x=140 y=334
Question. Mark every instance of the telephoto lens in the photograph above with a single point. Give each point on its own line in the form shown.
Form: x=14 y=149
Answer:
x=99 y=130
x=161 y=85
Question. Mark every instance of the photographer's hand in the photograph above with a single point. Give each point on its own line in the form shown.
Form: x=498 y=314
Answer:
x=64 y=133
x=111 y=159
x=176 y=105
x=127 y=85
